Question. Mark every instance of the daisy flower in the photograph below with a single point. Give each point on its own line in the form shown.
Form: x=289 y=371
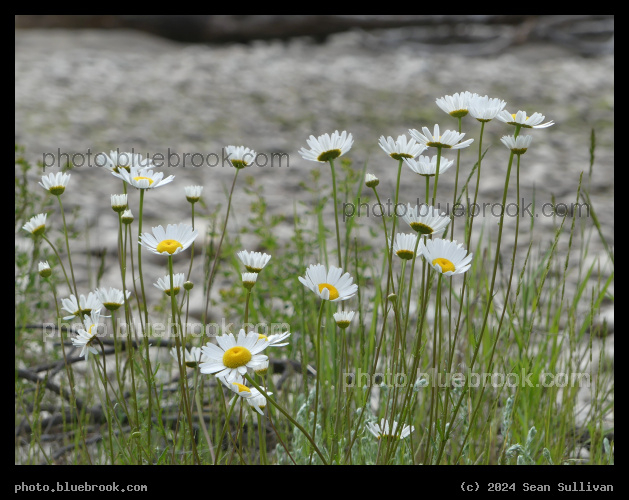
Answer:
x=325 y=148
x=55 y=183
x=118 y=202
x=273 y=340
x=85 y=337
x=485 y=109
x=164 y=283
x=447 y=257
x=44 y=269
x=36 y=225
x=85 y=306
x=240 y=156
x=425 y=219
x=427 y=166
x=404 y=245
x=251 y=395
x=127 y=217
x=456 y=105
x=449 y=140
x=143 y=178
x=330 y=285
x=388 y=431
x=191 y=358
x=193 y=193
x=261 y=367
x=254 y=261
x=401 y=148
x=518 y=144
x=111 y=298
x=174 y=239
x=371 y=181
x=232 y=356
x=249 y=280
x=117 y=161
x=520 y=119
x=343 y=318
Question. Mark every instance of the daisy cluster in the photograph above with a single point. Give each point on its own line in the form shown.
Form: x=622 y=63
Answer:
x=446 y=257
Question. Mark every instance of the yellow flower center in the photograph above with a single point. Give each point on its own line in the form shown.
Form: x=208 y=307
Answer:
x=445 y=264
x=261 y=336
x=334 y=293
x=144 y=178
x=241 y=388
x=169 y=246
x=236 y=357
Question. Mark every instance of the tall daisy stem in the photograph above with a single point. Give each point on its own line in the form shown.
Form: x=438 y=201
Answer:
x=336 y=217
x=182 y=371
x=218 y=250
x=287 y=415
x=319 y=374
x=65 y=234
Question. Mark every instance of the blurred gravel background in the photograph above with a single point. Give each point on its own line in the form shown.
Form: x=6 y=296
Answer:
x=89 y=89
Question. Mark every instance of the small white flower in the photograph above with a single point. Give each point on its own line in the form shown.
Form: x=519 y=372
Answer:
x=174 y=239
x=404 y=245
x=164 y=283
x=240 y=156
x=447 y=257
x=55 y=183
x=193 y=193
x=111 y=298
x=44 y=269
x=485 y=109
x=249 y=280
x=127 y=217
x=118 y=202
x=85 y=306
x=231 y=357
x=330 y=285
x=384 y=430
x=117 y=161
x=325 y=147
x=401 y=148
x=260 y=367
x=371 y=180
x=36 y=225
x=520 y=118
x=427 y=166
x=251 y=395
x=85 y=337
x=425 y=219
x=191 y=358
x=518 y=144
x=274 y=340
x=456 y=105
x=343 y=318
x=254 y=261
x=143 y=178
x=449 y=140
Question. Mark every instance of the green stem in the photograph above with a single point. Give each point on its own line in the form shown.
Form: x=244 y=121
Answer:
x=336 y=217
x=65 y=233
x=319 y=375
x=291 y=419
